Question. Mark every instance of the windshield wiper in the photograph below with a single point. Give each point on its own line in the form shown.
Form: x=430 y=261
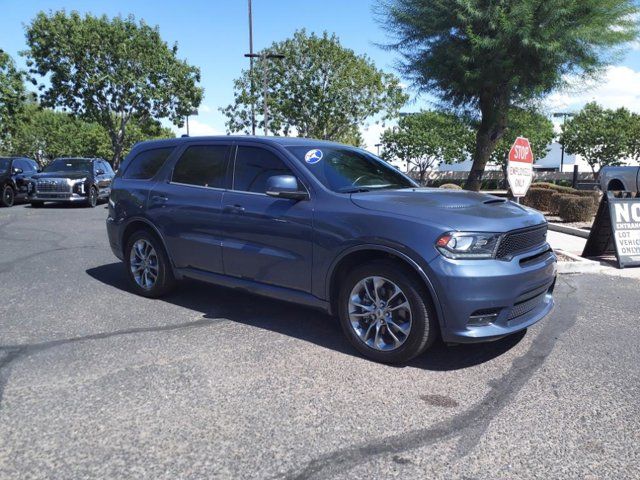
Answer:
x=354 y=190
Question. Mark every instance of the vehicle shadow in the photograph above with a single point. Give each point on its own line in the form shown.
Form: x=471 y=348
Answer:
x=300 y=322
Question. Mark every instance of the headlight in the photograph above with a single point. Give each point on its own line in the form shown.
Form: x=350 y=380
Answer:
x=468 y=245
x=78 y=185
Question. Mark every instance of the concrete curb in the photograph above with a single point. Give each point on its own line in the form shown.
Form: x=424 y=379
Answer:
x=568 y=230
x=579 y=264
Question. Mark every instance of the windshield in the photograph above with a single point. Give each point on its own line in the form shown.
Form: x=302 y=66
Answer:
x=4 y=164
x=69 y=165
x=347 y=170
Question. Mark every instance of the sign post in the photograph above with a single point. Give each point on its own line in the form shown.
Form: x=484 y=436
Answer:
x=520 y=167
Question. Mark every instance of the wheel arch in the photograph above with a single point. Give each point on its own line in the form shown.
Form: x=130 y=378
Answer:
x=140 y=223
x=615 y=184
x=363 y=253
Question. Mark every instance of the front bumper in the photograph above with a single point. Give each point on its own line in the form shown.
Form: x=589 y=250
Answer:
x=57 y=197
x=516 y=294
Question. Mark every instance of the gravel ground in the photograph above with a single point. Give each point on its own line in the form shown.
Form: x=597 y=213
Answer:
x=211 y=383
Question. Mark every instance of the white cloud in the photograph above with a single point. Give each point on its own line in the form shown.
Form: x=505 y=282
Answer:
x=199 y=129
x=205 y=109
x=618 y=87
x=371 y=135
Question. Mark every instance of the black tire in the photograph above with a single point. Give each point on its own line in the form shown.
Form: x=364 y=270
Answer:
x=8 y=196
x=92 y=199
x=37 y=204
x=165 y=281
x=424 y=326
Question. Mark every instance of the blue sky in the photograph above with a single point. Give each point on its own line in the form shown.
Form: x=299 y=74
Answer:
x=213 y=35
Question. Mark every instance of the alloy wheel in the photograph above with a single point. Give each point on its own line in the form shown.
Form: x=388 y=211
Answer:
x=380 y=313
x=143 y=262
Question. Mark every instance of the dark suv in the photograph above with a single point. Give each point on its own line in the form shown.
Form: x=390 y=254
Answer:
x=333 y=227
x=73 y=180
x=15 y=176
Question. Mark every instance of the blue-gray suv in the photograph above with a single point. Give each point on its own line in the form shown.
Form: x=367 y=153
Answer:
x=332 y=227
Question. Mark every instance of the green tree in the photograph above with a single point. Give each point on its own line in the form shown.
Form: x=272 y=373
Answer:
x=633 y=137
x=425 y=139
x=110 y=71
x=599 y=135
x=489 y=55
x=44 y=134
x=320 y=89
x=528 y=123
x=12 y=95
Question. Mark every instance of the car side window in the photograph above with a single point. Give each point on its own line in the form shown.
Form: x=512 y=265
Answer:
x=33 y=166
x=107 y=167
x=146 y=164
x=17 y=163
x=203 y=166
x=254 y=166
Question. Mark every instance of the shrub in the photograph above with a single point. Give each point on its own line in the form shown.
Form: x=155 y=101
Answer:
x=594 y=195
x=554 y=187
x=554 y=205
x=573 y=208
x=450 y=186
x=539 y=198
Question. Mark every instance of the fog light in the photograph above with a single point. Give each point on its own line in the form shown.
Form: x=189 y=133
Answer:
x=482 y=318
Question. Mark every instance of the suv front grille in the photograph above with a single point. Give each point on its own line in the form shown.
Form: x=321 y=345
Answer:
x=521 y=240
x=57 y=185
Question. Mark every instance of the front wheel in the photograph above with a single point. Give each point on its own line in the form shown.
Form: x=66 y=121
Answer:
x=92 y=199
x=386 y=312
x=8 y=196
x=148 y=266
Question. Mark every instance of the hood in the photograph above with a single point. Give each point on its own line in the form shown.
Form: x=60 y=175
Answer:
x=70 y=175
x=460 y=210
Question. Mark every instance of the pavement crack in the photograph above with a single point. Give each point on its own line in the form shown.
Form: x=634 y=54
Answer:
x=471 y=424
x=11 y=353
x=6 y=266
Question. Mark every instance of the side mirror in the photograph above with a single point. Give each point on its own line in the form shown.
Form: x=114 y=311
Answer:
x=18 y=171
x=285 y=186
x=99 y=172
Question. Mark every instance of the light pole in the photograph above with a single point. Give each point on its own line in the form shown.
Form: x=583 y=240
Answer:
x=564 y=116
x=253 y=106
x=265 y=82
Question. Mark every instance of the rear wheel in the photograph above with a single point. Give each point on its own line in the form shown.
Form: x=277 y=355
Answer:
x=148 y=266
x=8 y=196
x=386 y=313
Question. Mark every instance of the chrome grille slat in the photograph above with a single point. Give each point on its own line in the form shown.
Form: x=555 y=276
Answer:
x=52 y=185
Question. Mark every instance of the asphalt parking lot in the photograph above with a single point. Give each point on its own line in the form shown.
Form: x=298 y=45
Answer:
x=211 y=383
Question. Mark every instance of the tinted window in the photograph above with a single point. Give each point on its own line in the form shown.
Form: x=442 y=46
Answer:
x=254 y=166
x=348 y=169
x=33 y=166
x=146 y=164
x=4 y=164
x=107 y=167
x=202 y=165
x=19 y=163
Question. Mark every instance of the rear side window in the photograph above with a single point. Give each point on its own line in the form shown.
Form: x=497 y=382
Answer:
x=254 y=166
x=202 y=165
x=146 y=164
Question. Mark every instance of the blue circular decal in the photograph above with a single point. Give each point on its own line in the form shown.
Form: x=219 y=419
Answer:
x=313 y=156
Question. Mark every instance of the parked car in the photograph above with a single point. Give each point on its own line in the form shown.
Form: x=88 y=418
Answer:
x=333 y=227
x=15 y=175
x=73 y=180
x=620 y=178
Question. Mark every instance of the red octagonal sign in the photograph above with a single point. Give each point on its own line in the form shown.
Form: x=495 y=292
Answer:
x=520 y=167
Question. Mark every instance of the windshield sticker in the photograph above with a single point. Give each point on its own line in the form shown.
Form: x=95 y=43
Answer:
x=313 y=156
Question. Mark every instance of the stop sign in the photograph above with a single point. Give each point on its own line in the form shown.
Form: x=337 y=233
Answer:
x=520 y=167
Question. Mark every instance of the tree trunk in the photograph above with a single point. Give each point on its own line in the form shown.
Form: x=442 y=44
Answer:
x=492 y=127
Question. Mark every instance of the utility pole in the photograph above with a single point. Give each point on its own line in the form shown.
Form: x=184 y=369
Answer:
x=564 y=116
x=253 y=106
x=265 y=81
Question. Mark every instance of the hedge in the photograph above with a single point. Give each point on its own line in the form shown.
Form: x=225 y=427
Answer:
x=553 y=206
x=554 y=187
x=450 y=186
x=573 y=208
x=539 y=198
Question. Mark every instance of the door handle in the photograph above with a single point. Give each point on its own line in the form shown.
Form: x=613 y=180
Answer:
x=239 y=209
x=159 y=198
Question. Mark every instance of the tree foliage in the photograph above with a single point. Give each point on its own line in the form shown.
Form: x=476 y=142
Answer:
x=601 y=136
x=320 y=89
x=12 y=94
x=425 y=139
x=44 y=134
x=110 y=71
x=488 y=55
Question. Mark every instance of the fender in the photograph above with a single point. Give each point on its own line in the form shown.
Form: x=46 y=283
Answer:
x=149 y=223
x=383 y=248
